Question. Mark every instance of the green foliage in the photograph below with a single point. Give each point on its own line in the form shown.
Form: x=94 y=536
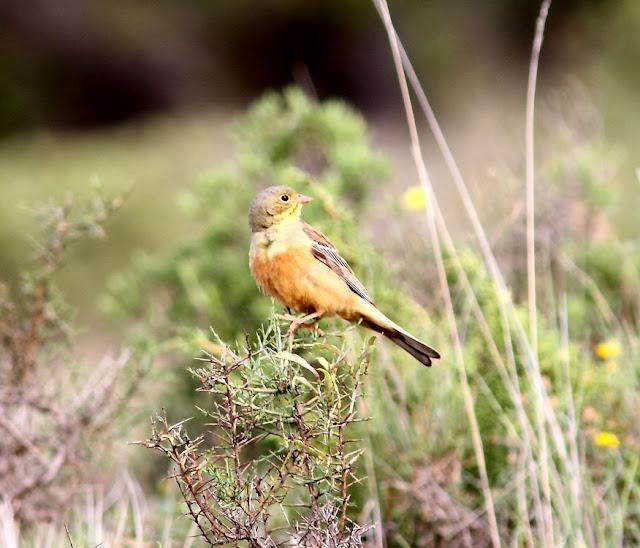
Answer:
x=538 y=416
x=584 y=176
x=278 y=461
x=207 y=281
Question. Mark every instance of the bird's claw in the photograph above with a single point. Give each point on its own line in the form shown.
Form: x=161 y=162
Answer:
x=287 y=317
x=297 y=323
x=294 y=326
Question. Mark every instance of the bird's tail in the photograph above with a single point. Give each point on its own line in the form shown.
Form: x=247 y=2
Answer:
x=376 y=320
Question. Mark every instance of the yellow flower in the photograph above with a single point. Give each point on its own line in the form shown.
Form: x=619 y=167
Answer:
x=414 y=198
x=606 y=439
x=607 y=350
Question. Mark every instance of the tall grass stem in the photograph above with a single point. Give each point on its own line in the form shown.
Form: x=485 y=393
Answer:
x=425 y=181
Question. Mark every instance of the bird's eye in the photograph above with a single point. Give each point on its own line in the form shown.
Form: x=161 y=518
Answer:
x=284 y=198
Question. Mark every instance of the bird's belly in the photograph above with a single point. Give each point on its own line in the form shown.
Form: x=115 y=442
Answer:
x=298 y=280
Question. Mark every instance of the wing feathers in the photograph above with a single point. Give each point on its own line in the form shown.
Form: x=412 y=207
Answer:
x=326 y=252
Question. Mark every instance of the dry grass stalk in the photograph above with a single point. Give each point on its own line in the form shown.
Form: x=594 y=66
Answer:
x=425 y=180
x=546 y=529
x=444 y=521
x=543 y=463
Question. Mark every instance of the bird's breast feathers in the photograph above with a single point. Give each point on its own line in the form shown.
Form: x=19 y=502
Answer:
x=278 y=239
x=283 y=265
x=275 y=258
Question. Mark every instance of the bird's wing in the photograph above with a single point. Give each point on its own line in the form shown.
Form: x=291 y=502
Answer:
x=326 y=252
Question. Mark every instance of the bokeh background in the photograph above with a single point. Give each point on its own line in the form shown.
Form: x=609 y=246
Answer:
x=140 y=95
x=138 y=98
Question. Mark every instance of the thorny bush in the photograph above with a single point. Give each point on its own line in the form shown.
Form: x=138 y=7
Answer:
x=278 y=460
x=53 y=414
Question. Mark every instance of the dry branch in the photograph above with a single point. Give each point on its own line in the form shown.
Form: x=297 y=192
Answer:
x=277 y=450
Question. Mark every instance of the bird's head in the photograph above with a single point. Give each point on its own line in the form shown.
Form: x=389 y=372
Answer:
x=274 y=205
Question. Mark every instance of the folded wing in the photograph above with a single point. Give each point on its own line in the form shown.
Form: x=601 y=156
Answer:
x=326 y=252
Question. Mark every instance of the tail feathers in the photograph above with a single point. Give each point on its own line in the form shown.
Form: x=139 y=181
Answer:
x=420 y=351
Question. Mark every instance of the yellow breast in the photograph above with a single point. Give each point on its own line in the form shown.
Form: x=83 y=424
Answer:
x=279 y=239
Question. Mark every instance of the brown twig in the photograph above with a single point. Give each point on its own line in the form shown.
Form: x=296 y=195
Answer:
x=233 y=490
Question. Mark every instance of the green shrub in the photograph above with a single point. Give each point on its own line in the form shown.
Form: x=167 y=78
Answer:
x=278 y=461
x=551 y=421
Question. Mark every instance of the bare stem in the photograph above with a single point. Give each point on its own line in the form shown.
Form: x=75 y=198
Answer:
x=425 y=180
x=530 y=170
x=547 y=528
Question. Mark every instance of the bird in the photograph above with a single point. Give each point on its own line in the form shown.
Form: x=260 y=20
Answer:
x=300 y=267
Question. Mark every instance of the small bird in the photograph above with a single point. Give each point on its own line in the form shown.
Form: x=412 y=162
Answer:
x=302 y=269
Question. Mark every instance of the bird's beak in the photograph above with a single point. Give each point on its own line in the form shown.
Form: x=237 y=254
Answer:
x=302 y=199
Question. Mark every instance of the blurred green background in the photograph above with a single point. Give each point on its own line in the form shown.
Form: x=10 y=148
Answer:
x=139 y=95
x=165 y=101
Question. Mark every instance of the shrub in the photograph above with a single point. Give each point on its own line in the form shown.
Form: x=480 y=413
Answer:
x=551 y=421
x=54 y=414
x=278 y=461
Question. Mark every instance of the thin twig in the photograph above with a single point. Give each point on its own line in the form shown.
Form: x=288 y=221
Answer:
x=68 y=534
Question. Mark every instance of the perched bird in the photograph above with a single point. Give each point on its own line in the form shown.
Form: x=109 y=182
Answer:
x=302 y=269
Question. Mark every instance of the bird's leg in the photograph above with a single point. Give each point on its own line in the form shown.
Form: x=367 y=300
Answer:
x=304 y=321
x=314 y=325
x=288 y=317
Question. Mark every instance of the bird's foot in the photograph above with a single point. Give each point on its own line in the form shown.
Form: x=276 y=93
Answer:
x=301 y=322
x=287 y=317
x=311 y=326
